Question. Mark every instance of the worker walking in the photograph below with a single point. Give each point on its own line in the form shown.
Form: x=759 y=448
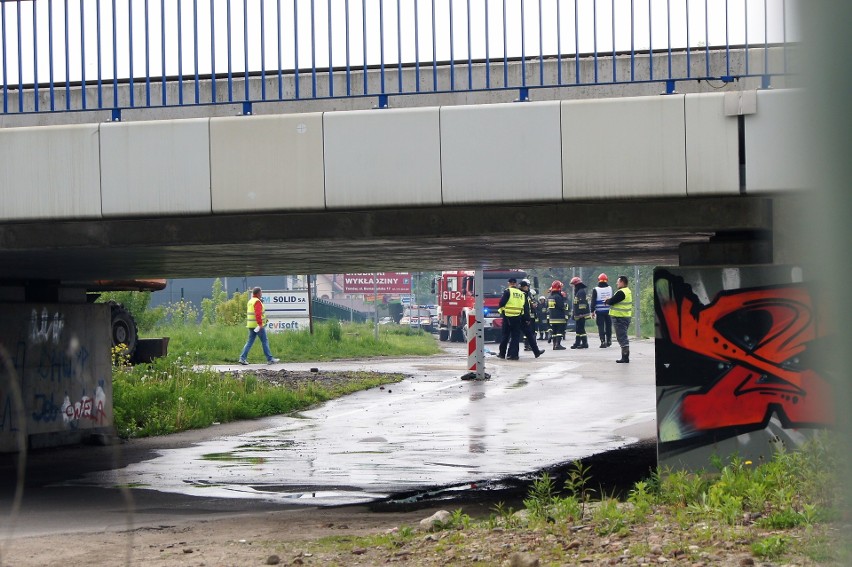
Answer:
x=621 y=311
x=556 y=314
x=600 y=312
x=512 y=305
x=528 y=319
x=581 y=312
x=256 y=324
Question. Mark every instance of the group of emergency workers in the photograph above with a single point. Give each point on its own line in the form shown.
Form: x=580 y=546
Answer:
x=523 y=314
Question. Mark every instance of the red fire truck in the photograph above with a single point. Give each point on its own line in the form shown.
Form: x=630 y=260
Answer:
x=455 y=300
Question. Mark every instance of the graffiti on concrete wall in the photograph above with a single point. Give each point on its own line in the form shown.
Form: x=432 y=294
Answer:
x=46 y=328
x=730 y=363
x=58 y=357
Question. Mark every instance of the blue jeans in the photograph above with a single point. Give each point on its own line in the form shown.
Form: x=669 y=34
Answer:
x=264 y=341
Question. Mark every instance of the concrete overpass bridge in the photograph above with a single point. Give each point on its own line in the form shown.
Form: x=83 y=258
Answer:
x=684 y=168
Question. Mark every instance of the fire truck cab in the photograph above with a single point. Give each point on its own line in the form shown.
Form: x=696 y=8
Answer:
x=455 y=294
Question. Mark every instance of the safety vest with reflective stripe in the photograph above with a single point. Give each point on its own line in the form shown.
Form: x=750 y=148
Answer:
x=601 y=295
x=251 y=320
x=623 y=308
x=515 y=305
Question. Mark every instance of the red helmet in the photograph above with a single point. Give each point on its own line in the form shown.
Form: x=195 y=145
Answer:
x=575 y=280
x=603 y=278
x=556 y=285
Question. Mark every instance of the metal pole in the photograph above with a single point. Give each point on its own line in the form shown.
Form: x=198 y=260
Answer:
x=376 y=302
x=310 y=306
x=636 y=302
x=479 y=308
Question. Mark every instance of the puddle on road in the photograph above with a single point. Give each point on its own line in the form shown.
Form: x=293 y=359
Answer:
x=233 y=458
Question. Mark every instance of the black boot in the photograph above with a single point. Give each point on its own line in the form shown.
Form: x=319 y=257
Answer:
x=609 y=341
x=557 y=343
x=603 y=343
x=625 y=355
x=577 y=343
x=584 y=342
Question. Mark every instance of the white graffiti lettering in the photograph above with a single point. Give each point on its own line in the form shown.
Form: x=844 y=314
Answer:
x=86 y=408
x=44 y=328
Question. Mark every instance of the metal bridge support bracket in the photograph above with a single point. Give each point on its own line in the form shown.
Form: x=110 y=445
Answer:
x=670 y=87
x=766 y=82
x=247 y=110
x=523 y=95
x=383 y=101
x=116 y=115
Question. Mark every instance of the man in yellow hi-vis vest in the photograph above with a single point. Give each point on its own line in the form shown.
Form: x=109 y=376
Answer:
x=512 y=307
x=621 y=310
x=256 y=323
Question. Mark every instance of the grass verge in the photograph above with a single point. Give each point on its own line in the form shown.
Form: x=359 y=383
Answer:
x=785 y=511
x=221 y=344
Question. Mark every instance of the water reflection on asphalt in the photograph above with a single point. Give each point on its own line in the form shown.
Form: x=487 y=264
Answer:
x=429 y=430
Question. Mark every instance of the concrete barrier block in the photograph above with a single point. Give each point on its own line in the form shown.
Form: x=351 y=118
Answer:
x=50 y=172
x=382 y=158
x=712 y=145
x=775 y=143
x=263 y=163
x=623 y=148
x=155 y=168
x=501 y=153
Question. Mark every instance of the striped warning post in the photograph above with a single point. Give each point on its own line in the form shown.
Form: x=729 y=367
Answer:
x=471 y=342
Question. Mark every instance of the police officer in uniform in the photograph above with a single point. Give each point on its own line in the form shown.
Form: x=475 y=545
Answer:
x=621 y=311
x=512 y=306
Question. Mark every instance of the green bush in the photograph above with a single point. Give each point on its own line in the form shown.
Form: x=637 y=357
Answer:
x=210 y=305
x=232 y=312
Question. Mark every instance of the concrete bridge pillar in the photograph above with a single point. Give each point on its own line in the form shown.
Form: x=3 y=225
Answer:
x=55 y=372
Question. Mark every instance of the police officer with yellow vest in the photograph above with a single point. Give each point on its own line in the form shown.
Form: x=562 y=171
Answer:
x=513 y=305
x=621 y=310
x=256 y=323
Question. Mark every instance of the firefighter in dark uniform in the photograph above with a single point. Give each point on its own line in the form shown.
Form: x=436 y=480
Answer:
x=556 y=314
x=528 y=322
x=541 y=319
x=581 y=313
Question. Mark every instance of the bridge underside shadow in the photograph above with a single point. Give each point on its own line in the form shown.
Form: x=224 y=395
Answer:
x=650 y=232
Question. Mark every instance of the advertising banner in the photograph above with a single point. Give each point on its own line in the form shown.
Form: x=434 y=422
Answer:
x=287 y=310
x=382 y=282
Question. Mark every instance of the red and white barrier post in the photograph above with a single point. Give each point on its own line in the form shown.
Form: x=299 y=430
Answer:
x=475 y=333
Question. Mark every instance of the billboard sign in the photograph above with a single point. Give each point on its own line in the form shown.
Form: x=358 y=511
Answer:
x=382 y=282
x=287 y=310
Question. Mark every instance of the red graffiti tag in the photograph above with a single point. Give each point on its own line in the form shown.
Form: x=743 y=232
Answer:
x=765 y=374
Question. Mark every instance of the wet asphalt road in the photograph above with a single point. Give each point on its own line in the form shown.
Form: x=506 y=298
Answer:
x=431 y=430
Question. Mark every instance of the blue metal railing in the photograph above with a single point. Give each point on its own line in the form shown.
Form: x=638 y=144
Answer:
x=92 y=49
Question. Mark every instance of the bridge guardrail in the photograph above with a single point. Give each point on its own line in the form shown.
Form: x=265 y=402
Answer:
x=62 y=56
